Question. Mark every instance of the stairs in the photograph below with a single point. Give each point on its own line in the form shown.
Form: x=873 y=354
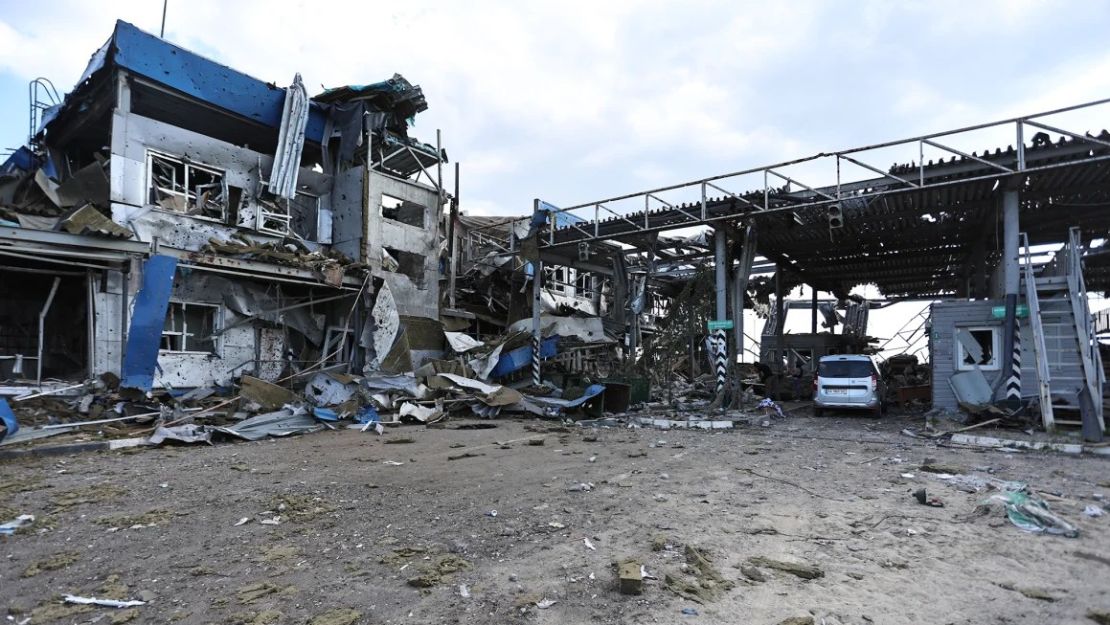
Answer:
x=1069 y=363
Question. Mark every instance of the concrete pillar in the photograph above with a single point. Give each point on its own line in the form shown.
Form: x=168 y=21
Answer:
x=813 y=310
x=780 y=318
x=720 y=257
x=1010 y=228
x=1010 y=358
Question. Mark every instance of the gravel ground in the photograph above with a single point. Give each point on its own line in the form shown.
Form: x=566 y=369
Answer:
x=360 y=539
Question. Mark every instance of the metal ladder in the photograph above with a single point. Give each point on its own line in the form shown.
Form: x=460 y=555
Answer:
x=1084 y=326
x=41 y=95
x=1040 y=352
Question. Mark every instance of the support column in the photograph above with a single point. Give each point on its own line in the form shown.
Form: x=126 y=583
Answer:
x=813 y=311
x=780 y=319
x=1011 y=352
x=720 y=258
x=537 y=299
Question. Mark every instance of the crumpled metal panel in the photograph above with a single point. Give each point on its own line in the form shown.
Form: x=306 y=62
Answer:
x=193 y=75
x=287 y=158
x=147 y=320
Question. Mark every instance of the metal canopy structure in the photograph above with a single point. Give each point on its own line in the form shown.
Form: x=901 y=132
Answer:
x=913 y=230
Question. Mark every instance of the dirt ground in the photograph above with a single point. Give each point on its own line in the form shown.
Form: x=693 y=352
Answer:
x=360 y=539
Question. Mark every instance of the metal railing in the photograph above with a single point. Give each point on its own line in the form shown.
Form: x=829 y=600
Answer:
x=689 y=201
x=1040 y=351
x=1084 y=324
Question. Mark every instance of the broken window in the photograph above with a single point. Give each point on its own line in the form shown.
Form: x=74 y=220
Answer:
x=280 y=215
x=189 y=328
x=977 y=346
x=399 y=261
x=185 y=187
x=404 y=211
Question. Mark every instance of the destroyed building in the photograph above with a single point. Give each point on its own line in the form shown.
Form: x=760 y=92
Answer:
x=177 y=223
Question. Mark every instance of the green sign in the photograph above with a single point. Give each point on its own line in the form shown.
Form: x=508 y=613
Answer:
x=999 y=312
x=720 y=324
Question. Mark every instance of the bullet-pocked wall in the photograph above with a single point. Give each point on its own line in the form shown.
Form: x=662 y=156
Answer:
x=401 y=241
x=186 y=187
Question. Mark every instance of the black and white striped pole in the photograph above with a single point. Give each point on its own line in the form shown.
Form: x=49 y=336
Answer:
x=1012 y=284
x=1013 y=383
x=721 y=347
x=537 y=294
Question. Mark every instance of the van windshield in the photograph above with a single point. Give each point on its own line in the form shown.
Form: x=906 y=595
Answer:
x=845 y=369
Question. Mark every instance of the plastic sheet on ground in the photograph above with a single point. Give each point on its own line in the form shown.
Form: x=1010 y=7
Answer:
x=489 y=394
x=186 y=433
x=1030 y=513
x=280 y=423
x=420 y=413
x=462 y=342
x=395 y=382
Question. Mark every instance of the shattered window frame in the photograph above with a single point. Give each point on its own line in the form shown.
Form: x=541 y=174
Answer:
x=400 y=204
x=280 y=221
x=213 y=209
x=989 y=364
x=179 y=309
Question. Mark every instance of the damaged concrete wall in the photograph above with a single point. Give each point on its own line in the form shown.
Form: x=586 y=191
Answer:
x=235 y=350
x=348 y=202
x=109 y=335
x=415 y=282
x=132 y=137
x=946 y=318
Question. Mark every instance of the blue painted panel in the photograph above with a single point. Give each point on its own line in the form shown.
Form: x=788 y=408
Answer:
x=521 y=357
x=8 y=417
x=204 y=79
x=144 y=337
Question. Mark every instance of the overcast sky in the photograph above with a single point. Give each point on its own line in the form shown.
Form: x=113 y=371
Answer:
x=577 y=101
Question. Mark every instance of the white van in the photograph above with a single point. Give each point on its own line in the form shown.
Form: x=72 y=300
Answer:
x=848 y=381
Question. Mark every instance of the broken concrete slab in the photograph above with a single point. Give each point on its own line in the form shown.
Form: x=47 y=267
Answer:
x=269 y=397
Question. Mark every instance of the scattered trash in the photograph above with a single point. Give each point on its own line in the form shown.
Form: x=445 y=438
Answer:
x=464 y=592
x=108 y=603
x=689 y=612
x=557 y=525
x=804 y=571
x=581 y=487
x=393 y=463
x=631 y=576
x=1093 y=511
x=242 y=521
x=274 y=521
x=9 y=528
x=1029 y=513
x=545 y=603
x=589 y=545
x=924 y=499
x=492 y=513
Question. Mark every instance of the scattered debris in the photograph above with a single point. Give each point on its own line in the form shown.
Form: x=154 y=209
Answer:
x=804 y=571
x=545 y=603
x=10 y=527
x=631 y=576
x=1028 y=513
x=108 y=603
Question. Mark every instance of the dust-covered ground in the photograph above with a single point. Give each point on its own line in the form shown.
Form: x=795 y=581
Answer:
x=360 y=539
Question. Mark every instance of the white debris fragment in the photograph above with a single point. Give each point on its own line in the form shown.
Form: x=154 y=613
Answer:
x=108 y=603
x=557 y=525
x=393 y=463
x=9 y=528
x=589 y=545
x=274 y=521
x=593 y=458
x=464 y=592
x=1093 y=511
x=545 y=603
x=643 y=573
x=581 y=487
x=242 y=521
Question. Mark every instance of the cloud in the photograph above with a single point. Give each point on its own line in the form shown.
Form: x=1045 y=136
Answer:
x=576 y=101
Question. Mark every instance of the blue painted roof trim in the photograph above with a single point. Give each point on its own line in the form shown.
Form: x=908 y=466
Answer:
x=154 y=58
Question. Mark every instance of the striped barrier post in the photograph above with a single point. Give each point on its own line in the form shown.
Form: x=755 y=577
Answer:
x=722 y=359
x=1013 y=383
